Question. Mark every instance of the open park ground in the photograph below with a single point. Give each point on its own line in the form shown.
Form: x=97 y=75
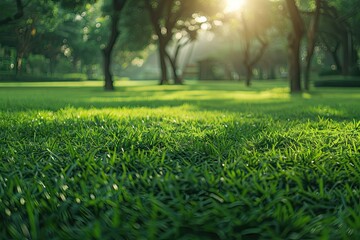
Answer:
x=197 y=161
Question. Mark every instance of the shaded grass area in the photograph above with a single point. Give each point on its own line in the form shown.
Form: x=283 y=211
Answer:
x=198 y=161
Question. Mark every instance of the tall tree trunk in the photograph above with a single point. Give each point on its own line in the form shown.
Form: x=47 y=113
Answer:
x=294 y=64
x=311 y=39
x=162 y=42
x=117 y=6
x=162 y=58
x=109 y=83
x=247 y=60
x=249 y=74
x=294 y=39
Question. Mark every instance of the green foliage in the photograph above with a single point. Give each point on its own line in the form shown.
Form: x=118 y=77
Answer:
x=88 y=35
x=57 y=32
x=39 y=17
x=135 y=28
x=178 y=162
x=349 y=14
x=8 y=8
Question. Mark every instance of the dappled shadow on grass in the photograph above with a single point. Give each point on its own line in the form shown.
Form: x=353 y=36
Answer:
x=273 y=100
x=282 y=107
x=277 y=110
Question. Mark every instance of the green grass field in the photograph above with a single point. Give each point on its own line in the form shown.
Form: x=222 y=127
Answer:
x=199 y=161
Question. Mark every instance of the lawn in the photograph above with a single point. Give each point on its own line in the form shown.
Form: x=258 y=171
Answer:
x=199 y=161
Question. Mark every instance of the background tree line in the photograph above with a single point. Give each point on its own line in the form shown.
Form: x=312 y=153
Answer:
x=87 y=34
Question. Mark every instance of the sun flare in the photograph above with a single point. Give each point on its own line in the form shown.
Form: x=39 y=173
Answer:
x=234 y=5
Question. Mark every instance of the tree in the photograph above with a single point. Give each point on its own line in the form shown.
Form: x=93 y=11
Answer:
x=345 y=19
x=186 y=32
x=136 y=38
x=40 y=30
x=117 y=6
x=26 y=29
x=132 y=32
x=50 y=47
x=248 y=61
x=161 y=11
x=311 y=40
x=294 y=41
x=340 y=27
x=169 y=17
x=256 y=24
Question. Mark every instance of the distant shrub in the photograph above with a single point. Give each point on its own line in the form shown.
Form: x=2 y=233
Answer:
x=28 y=78
x=355 y=71
x=329 y=72
x=338 y=83
x=80 y=76
x=37 y=79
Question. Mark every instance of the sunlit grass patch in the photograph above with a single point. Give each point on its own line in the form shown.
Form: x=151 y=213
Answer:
x=197 y=161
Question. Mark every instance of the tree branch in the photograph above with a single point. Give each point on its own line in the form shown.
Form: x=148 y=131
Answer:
x=296 y=20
